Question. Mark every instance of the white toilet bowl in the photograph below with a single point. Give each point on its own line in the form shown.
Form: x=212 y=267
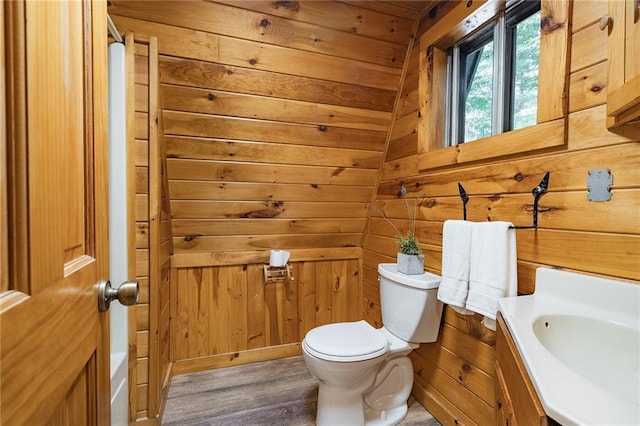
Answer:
x=368 y=388
x=365 y=374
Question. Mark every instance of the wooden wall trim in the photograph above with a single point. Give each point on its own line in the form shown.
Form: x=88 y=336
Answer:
x=187 y=260
x=155 y=196
x=166 y=386
x=554 y=68
x=396 y=104
x=146 y=422
x=16 y=161
x=149 y=329
x=553 y=83
x=547 y=135
x=235 y=358
x=137 y=61
x=432 y=95
x=4 y=212
x=131 y=220
x=455 y=25
x=443 y=410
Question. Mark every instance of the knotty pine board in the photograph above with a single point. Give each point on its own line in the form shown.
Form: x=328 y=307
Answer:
x=229 y=308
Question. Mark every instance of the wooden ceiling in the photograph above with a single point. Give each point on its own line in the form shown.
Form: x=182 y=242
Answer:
x=415 y=5
x=413 y=8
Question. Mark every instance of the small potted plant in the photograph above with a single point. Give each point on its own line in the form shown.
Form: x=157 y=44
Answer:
x=410 y=258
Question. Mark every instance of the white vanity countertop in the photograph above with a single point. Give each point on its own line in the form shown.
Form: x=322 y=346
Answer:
x=579 y=337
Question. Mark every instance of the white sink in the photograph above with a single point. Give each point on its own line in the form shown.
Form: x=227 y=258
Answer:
x=579 y=337
x=570 y=337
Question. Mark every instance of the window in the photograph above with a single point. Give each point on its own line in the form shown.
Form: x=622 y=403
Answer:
x=465 y=22
x=492 y=76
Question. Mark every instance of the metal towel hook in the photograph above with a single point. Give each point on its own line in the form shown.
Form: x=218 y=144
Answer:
x=537 y=193
x=465 y=200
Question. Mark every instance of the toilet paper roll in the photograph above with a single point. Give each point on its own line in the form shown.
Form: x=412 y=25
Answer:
x=278 y=258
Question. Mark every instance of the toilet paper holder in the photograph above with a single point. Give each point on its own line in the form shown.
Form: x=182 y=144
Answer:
x=274 y=274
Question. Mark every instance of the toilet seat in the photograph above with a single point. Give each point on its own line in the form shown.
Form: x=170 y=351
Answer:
x=346 y=342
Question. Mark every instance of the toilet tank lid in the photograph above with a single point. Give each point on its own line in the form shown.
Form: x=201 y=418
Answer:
x=424 y=281
x=347 y=339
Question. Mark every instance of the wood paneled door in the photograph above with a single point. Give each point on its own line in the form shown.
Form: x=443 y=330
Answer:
x=54 y=342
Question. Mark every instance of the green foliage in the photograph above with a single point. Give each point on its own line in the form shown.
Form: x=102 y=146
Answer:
x=526 y=72
x=408 y=245
x=478 y=107
x=478 y=103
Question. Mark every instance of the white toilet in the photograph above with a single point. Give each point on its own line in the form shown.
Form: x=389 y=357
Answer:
x=365 y=374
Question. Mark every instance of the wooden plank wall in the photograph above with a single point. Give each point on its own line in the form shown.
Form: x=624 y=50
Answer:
x=454 y=376
x=275 y=120
x=153 y=240
x=275 y=114
x=165 y=250
x=227 y=314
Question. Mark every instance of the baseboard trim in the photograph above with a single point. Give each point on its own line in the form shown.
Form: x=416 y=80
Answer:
x=235 y=358
x=145 y=422
x=437 y=405
x=164 y=393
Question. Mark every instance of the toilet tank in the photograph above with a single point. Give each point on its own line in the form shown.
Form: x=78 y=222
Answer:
x=410 y=307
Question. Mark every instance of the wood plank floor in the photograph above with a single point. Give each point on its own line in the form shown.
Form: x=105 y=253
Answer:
x=279 y=392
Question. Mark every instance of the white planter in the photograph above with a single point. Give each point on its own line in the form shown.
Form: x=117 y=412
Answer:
x=411 y=264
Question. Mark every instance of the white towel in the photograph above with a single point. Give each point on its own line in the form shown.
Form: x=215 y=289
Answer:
x=456 y=245
x=493 y=270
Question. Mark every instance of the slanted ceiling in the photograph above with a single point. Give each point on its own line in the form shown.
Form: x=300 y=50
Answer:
x=275 y=113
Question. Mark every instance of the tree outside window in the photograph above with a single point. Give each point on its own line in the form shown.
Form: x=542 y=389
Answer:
x=493 y=78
